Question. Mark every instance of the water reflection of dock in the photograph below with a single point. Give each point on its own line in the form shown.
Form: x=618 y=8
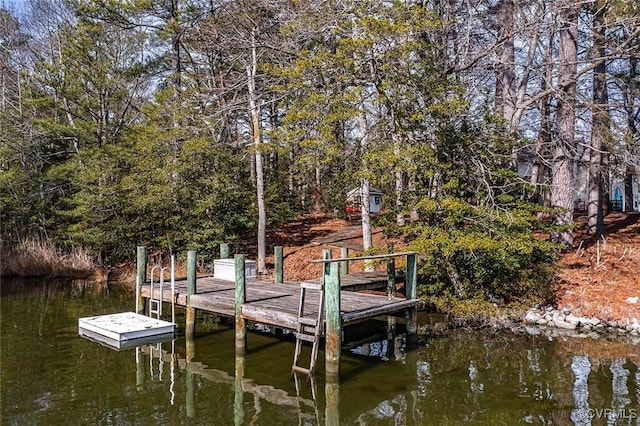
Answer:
x=307 y=409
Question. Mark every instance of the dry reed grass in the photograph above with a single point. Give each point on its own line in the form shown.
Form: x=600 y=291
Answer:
x=39 y=258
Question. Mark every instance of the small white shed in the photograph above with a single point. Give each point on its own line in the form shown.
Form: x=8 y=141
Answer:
x=354 y=200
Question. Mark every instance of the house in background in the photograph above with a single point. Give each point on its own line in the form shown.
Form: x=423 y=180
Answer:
x=354 y=200
x=624 y=190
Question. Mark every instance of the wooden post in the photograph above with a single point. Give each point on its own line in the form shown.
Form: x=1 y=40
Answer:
x=412 y=275
x=190 y=326
x=224 y=251
x=344 y=265
x=391 y=277
x=411 y=288
x=333 y=340
x=141 y=276
x=277 y=255
x=241 y=297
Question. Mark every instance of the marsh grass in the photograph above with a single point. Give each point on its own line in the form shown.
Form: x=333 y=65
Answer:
x=43 y=258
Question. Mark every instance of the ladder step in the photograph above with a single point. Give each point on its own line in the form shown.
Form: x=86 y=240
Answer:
x=309 y=329
x=301 y=369
x=308 y=321
x=306 y=337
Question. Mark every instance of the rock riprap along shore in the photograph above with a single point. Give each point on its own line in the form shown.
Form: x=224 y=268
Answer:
x=563 y=319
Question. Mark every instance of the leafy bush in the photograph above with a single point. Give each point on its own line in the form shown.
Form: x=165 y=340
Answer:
x=473 y=252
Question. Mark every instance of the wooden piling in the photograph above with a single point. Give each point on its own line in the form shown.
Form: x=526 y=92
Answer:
x=391 y=278
x=412 y=275
x=190 y=326
x=411 y=288
x=344 y=265
x=241 y=327
x=224 y=251
x=141 y=276
x=333 y=339
x=278 y=264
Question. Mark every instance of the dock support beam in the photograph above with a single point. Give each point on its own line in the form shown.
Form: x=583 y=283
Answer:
x=344 y=265
x=277 y=264
x=141 y=276
x=190 y=326
x=411 y=288
x=224 y=251
x=333 y=341
x=241 y=298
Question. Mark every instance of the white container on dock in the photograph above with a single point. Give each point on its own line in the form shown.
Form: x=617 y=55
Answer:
x=225 y=269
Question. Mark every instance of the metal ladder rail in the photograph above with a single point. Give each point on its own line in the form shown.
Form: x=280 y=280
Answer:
x=155 y=304
x=308 y=329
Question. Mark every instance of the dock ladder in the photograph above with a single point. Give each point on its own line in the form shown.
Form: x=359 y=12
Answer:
x=155 y=301
x=309 y=328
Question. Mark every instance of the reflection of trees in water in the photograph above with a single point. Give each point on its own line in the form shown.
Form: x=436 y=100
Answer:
x=487 y=378
x=581 y=367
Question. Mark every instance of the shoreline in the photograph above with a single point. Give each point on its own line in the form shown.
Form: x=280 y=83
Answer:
x=544 y=321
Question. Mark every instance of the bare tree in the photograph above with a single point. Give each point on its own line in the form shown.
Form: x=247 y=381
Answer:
x=599 y=125
x=562 y=180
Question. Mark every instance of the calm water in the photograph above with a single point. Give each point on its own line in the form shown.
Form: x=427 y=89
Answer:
x=52 y=376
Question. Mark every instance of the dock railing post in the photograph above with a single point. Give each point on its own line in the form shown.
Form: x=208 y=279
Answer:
x=391 y=277
x=333 y=341
x=277 y=264
x=344 y=265
x=141 y=275
x=224 y=251
x=241 y=297
x=411 y=289
x=190 y=326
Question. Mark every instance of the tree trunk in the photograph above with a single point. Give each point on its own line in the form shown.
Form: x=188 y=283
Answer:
x=562 y=185
x=599 y=128
x=365 y=187
x=539 y=169
x=505 y=70
x=254 y=113
x=506 y=73
x=399 y=181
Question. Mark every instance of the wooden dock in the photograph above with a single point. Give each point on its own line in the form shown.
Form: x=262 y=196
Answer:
x=277 y=304
x=334 y=299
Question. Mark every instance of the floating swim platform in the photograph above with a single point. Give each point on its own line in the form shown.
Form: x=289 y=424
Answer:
x=126 y=329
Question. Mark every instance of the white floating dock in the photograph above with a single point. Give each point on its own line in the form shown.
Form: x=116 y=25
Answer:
x=126 y=329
